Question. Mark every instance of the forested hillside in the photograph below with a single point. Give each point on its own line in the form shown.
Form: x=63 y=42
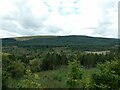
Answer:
x=66 y=62
x=75 y=42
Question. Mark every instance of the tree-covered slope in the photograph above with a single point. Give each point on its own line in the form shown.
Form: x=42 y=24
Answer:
x=62 y=41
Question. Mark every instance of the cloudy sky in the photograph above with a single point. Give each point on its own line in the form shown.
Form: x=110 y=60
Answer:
x=97 y=18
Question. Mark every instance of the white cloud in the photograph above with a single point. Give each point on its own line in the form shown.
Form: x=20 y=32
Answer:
x=58 y=17
x=5 y=33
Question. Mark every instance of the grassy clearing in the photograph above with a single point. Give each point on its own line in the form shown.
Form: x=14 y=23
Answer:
x=57 y=78
x=32 y=37
x=53 y=78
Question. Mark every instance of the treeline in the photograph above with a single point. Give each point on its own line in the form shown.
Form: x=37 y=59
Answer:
x=74 y=42
x=107 y=77
x=53 y=60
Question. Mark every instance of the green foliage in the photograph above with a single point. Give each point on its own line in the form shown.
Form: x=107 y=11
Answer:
x=89 y=60
x=16 y=69
x=53 y=60
x=74 y=74
x=35 y=65
x=109 y=75
x=54 y=78
x=47 y=62
x=30 y=80
x=63 y=58
x=77 y=42
x=5 y=76
x=47 y=55
x=86 y=83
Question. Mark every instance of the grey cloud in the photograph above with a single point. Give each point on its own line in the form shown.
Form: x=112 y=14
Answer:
x=105 y=23
x=27 y=23
x=52 y=29
x=76 y=1
x=12 y=27
x=103 y=29
x=30 y=23
x=27 y=20
x=91 y=28
x=49 y=7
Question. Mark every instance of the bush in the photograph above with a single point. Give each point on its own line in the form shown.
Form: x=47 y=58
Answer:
x=108 y=76
x=86 y=83
x=30 y=80
x=16 y=69
x=35 y=65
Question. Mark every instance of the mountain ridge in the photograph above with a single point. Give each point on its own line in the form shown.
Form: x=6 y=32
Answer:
x=71 y=41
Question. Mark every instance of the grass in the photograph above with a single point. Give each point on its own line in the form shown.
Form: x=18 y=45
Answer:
x=53 y=78
x=57 y=78
x=88 y=72
x=32 y=37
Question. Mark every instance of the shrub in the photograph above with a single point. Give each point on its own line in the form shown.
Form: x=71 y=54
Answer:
x=108 y=76
x=35 y=65
x=86 y=83
x=30 y=80
x=74 y=74
x=16 y=69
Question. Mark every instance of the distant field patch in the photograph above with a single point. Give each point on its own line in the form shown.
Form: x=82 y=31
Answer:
x=98 y=52
x=33 y=37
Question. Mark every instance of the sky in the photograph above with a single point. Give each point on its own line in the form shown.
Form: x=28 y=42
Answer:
x=97 y=18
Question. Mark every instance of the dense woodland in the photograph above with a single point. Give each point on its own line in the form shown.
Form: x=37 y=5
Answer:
x=60 y=62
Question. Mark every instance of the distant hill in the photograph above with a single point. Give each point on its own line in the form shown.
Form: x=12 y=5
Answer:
x=72 y=41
